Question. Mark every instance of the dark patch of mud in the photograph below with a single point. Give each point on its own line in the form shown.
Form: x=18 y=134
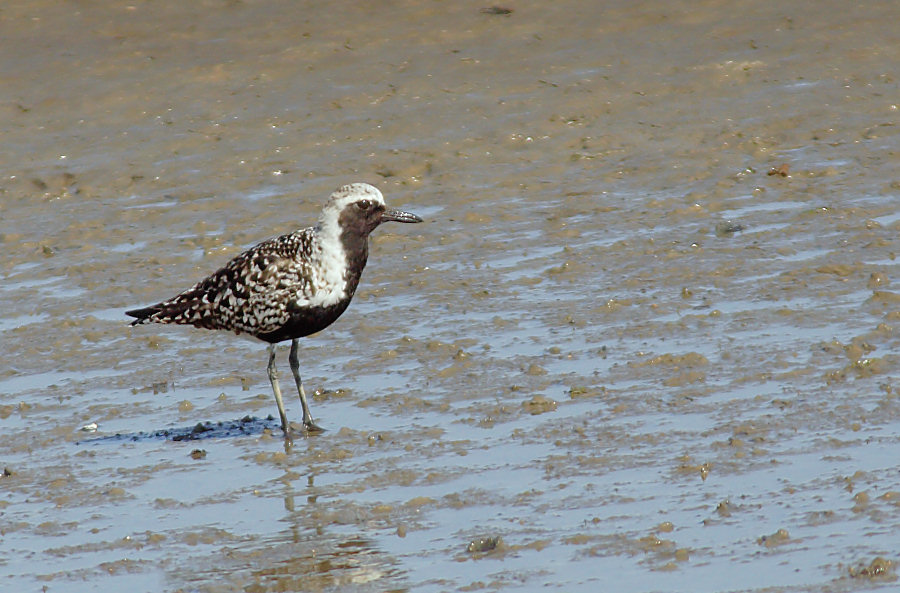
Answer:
x=246 y=426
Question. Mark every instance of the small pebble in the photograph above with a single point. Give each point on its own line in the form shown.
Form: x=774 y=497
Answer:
x=484 y=544
x=727 y=227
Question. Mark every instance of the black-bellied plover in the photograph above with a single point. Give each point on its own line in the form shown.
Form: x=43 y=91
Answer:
x=287 y=287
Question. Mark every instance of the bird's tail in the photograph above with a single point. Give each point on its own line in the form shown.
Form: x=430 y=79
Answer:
x=143 y=315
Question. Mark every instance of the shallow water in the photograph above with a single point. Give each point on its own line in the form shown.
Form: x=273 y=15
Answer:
x=623 y=343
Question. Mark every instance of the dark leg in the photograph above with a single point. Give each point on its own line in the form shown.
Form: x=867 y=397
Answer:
x=295 y=368
x=273 y=378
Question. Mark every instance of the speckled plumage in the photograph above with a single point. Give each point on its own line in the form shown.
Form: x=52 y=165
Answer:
x=290 y=286
x=258 y=291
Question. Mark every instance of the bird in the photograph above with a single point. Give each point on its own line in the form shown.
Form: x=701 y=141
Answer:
x=287 y=287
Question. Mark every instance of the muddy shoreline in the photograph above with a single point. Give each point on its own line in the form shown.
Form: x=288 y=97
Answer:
x=644 y=341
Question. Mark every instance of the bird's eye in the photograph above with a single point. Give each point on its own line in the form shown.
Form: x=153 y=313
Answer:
x=364 y=204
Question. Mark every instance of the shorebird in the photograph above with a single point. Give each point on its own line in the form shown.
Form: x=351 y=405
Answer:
x=287 y=287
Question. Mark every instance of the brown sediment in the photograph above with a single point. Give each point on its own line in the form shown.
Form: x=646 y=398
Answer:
x=618 y=340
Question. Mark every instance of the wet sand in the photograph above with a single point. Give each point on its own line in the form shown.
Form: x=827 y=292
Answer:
x=645 y=340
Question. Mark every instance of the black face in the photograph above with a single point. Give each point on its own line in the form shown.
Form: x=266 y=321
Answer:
x=364 y=215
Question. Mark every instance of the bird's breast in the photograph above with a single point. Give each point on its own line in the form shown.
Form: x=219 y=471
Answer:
x=322 y=296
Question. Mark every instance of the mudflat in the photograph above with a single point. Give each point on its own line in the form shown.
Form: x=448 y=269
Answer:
x=646 y=339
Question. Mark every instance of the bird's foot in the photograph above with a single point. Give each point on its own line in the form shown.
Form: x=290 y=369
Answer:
x=311 y=427
x=306 y=429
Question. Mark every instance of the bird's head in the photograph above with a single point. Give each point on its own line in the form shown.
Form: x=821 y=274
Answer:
x=359 y=208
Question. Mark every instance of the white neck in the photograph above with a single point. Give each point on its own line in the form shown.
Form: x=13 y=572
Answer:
x=330 y=264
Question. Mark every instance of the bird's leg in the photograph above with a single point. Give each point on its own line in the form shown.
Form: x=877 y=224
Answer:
x=273 y=377
x=295 y=368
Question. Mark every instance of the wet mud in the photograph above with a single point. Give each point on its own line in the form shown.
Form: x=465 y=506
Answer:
x=645 y=340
